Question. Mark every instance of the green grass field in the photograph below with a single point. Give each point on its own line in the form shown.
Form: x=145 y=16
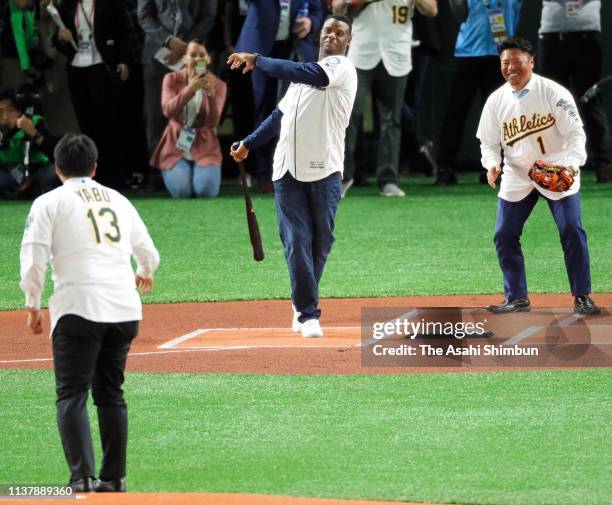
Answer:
x=511 y=438
x=436 y=241
x=482 y=438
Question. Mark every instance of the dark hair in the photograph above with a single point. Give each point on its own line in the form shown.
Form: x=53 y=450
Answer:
x=517 y=43
x=197 y=41
x=75 y=155
x=344 y=19
x=6 y=94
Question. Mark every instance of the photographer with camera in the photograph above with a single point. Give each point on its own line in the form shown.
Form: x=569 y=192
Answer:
x=26 y=148
x=188 y=153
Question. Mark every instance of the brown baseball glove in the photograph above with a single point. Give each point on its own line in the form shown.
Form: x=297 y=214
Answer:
x=552 y=176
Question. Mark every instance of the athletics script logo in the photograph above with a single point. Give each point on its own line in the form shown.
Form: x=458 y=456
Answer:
x=521 y=127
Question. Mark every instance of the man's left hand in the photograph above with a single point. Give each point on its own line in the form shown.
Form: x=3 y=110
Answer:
x=35 y=321
x=302 y=27
x=144 y=284
x=236 y=60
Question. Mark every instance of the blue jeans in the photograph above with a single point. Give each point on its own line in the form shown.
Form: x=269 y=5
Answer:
x=306 y=218
x=186 y=179
x=511 y=217
x=42 y=175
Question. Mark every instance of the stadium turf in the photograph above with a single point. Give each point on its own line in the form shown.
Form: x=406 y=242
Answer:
x=436 y=241
x=524 y=438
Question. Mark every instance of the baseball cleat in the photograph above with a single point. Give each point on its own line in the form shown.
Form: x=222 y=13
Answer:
x=311 y=329
x=584 y=306
x=507 y=306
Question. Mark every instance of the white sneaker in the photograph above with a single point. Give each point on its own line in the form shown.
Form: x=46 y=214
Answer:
x=346 y=185
x=311 y=329
x=391 y=189
x=296 y=326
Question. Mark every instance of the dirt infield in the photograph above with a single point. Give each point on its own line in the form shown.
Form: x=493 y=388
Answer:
x=206 y=499
x=253 y=337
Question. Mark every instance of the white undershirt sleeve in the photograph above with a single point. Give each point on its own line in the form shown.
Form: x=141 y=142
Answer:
x=33 y=258
x=147 y=257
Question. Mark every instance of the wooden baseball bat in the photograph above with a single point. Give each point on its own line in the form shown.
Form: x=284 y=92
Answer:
x=254 y=235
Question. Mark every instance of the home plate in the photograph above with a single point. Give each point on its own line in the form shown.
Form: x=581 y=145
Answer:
x=241 y=338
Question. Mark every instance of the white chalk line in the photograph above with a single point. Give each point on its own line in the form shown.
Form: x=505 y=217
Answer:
x=132 y=354
x=183 y=338
x=407 y=317
x=171 y=344
x=532 y=330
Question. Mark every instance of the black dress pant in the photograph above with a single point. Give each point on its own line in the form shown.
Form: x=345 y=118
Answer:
x=93 y=94
x=574 y=60
x=89 y=355
x=472 y=76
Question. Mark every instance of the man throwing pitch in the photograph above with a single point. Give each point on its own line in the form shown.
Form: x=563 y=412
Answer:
x=536 y=123
x=308 y=162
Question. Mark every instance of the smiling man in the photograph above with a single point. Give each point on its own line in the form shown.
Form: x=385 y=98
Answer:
x=308 y=162
x=533 y=118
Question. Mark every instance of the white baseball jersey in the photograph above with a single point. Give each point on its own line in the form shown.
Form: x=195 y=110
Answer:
x=383 y=30
x=544 y=124
x=89 y=233
x=313 y=126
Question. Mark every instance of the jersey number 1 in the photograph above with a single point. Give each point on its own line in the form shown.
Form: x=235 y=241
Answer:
x=541 y=142
x=112 y=237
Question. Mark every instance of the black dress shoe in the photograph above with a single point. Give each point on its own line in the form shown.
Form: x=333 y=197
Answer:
x=507 y=306
x=110 y=486
x=584 y=306
x=82 y=485
x=446 y=179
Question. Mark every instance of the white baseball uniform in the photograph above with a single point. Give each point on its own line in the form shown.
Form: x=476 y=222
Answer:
x=89 y=233
x=543 y=124
x=383 y=30
x=311 y=141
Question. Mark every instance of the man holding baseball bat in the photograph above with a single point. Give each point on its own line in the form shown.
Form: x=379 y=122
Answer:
x=310 y=121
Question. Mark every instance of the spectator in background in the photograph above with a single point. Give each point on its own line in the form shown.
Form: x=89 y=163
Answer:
x=426 y=48
x=476 y=72
x=189 y=153
x=99 y=32
x=168 y=25
x=281 y=29
x=241 y=89
x=22 y=56
x=381 y=51
x=131 y=103
x=20 y=133
x=571 y=54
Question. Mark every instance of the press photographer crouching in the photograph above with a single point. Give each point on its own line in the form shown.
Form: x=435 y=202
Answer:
x=26 y=149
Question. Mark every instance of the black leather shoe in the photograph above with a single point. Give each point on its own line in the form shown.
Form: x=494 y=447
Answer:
x=445 y=178
x=82 y=485
x=584 y=306
x=507 y=306
x=110 y=486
